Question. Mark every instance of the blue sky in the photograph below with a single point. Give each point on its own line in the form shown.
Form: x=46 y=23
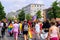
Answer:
x=13 y=5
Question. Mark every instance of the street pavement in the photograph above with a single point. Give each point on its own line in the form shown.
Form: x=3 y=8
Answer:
x=7 y=37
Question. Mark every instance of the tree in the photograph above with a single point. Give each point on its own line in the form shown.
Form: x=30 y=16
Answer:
x=50 y=14
x=54 y=12
x=21 y=15
x=2 y=12
x=28 y=16
x=10 y=18
x=56 y=9
x=38 y=14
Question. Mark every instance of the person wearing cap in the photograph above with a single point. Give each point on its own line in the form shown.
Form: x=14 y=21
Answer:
x=25 y=29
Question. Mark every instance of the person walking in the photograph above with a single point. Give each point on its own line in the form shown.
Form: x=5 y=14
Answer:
x=37 y=29
x=20 y=23
x=53 y=32
x=58 y=24
x=0 y=28
x=25 y=29
x=10 y=27
x=3 y=28
x=15 y=30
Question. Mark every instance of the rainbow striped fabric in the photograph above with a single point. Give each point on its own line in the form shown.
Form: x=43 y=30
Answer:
x=10 y=27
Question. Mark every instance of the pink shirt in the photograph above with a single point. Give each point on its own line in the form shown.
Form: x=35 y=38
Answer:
x=15 y=27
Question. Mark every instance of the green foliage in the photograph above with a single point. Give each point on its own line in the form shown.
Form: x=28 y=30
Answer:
x=54 y=12
x=28 y=16
x=38 y=14
x=10 y=18
x=50 y=13
x=2 y=13
x=21 y=15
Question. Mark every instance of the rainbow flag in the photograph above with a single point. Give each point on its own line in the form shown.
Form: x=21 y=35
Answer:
x=10 y=27
x=30 y=33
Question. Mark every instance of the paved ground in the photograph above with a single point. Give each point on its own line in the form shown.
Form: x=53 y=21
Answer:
x=7 y=37
x=10 y=38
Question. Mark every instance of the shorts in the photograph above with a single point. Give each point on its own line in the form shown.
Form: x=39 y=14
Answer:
x=25 y=32
x=54 y=38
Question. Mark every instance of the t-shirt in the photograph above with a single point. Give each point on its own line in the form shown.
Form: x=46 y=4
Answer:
x=37 y=27
x=25 y=27
x=1 y=25
x=20 y=26
x=15 y=27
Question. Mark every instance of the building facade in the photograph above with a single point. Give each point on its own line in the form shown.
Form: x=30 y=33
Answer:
x=11 y=14
x=33 y=8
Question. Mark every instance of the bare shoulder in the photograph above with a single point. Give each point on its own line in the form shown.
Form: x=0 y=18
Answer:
x=57 y=28
x=50 y=28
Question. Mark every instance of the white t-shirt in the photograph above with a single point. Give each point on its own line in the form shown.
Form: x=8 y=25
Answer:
x=1 y=26
x=37 y=27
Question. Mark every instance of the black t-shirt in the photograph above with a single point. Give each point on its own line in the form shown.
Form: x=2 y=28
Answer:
x=46 y=25
x=25 y=27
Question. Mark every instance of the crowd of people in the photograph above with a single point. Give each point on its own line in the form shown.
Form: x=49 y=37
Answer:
x=31 y=30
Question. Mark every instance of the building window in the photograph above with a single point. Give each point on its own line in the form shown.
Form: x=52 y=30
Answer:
x=40 y=5
x=33 y=5
x=34 y=10
x=37 y=5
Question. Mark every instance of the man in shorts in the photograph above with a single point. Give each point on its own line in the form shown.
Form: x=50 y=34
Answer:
x=25 y=30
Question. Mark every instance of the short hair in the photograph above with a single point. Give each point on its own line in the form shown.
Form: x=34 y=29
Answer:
x=53 y=23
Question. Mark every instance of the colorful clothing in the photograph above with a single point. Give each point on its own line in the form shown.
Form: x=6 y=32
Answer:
x=20 y=26
x=30 y=33
x=10 y=27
